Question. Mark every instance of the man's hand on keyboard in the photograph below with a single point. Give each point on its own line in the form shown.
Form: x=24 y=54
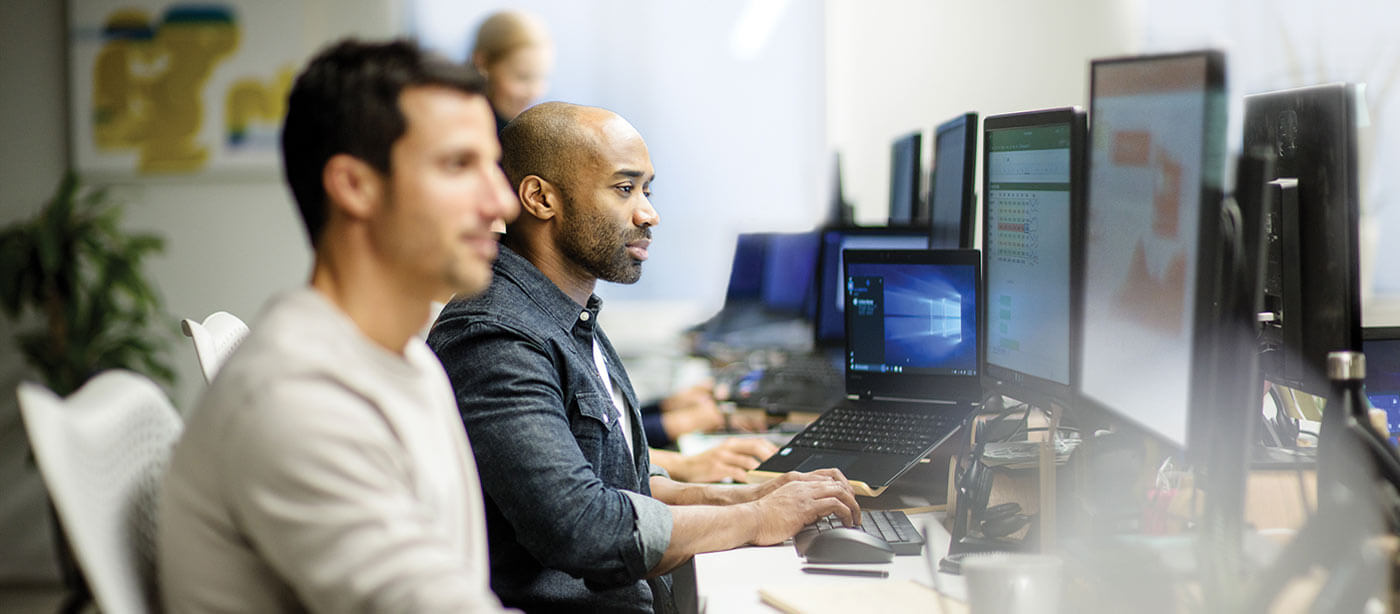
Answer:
x=763 y=488
x=795 y=500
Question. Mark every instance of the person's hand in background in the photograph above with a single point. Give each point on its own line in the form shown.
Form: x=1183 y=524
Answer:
x=732 y=458
x=694 y=410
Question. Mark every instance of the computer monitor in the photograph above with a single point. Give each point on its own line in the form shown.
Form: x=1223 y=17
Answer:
x=904 y=178
x=829 y=325
x=952 y=201
x=1152 y=226
x=746 y=272
x=839 y=212
x=789 y=273
x=912 y=317
x=1312 y=293
x=1381 y=345
x=1032 y=186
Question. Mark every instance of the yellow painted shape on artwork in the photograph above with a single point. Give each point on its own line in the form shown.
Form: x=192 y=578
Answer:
x=194 y=48
x=148 y=79
x=120 y=109
x=250 y=102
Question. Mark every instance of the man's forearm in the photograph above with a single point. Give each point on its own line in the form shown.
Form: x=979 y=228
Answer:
x=787 y=504
x=672 y=492
x=707 y=528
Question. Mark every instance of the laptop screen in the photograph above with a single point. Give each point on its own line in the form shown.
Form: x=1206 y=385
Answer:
x=1382 y=349
x=911 y=324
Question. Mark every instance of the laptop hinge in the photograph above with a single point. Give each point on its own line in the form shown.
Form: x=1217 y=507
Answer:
x=917 y=400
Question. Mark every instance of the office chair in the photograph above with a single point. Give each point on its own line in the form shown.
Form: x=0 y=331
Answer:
x=102 y=452
x=214 y=339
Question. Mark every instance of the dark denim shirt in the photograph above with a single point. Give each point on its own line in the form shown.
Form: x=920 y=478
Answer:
x=569 y=522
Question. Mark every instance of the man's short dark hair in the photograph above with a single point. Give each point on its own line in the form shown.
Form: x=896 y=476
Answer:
x=546 y=141
x=347 y=101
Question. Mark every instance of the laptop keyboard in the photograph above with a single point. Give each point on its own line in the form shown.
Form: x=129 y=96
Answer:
x=893 y=526
x=880 y=431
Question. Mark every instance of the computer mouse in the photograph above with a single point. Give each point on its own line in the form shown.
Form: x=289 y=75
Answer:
x=847 y=545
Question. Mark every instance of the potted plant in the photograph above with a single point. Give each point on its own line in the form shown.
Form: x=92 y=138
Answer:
x=74 y=268
x=73 y=287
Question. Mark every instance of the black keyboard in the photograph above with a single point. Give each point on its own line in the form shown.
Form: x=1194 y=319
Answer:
x=888 y=431
x=893 y=526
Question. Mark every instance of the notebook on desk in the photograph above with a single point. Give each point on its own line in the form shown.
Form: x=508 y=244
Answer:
x=864 y=596
x=913 y=351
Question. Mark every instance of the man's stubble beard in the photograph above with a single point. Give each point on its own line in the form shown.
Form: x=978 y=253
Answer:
x=588 y=242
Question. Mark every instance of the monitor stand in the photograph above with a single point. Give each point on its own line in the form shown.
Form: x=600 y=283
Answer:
x=1041 y=532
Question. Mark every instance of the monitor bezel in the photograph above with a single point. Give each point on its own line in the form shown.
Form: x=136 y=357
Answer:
x=1199 y=398
x=766 y=289
x=1321 y=226
x=968 y=200
x=914 y=141
x=1018 y=385
x=818 y=315
x=956 y=388
x=1380 y=333
x=1384 y=334
x=760 y=241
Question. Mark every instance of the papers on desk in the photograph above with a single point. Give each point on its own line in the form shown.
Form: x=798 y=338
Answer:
x=695 y=443
x=847 y=597
x=1024 y=454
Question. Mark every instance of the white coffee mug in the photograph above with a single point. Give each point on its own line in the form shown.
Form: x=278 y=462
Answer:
x=1012 y=583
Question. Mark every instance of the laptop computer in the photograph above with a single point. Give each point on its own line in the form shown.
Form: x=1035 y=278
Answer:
x=1381 y=345
x=913 y=354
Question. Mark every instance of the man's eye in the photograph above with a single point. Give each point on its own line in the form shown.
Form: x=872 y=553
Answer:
x=625 y=189
x=457 y=163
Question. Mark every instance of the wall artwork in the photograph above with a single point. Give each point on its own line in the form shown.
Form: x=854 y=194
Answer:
x=171 y=89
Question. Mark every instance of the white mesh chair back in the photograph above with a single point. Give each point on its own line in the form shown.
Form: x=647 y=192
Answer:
x=214 y=339
x=102 y=452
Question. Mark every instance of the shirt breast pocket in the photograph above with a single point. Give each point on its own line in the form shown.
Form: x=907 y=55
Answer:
x=591 y=423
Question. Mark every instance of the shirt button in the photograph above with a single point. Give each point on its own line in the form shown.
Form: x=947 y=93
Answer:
x=583 y=316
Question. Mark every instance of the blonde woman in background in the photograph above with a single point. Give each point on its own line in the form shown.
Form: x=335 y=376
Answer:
x=515 y=54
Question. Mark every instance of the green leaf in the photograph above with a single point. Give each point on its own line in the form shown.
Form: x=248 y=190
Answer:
x=143 y=244
x=15 y=271
x=60 y=208
x=50 y=246
x=99 y=200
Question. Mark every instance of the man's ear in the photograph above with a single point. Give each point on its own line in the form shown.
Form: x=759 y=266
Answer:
x=538 y=197
x=479 y=63
x=352 y=186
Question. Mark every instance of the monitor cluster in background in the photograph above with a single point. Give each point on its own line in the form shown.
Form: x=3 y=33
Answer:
x=1102 y=241
x=1123 y=281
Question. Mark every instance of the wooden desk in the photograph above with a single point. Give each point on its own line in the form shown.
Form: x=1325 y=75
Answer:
x=1279 y=500
x=729 y=581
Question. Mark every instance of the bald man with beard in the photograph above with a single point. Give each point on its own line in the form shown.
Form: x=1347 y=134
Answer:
x=577 y=517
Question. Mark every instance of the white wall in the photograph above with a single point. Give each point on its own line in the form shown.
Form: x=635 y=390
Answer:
x=32 y=159
x=895 y=66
